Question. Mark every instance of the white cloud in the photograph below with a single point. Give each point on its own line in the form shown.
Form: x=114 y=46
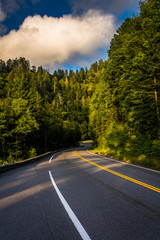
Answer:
x=48 y=40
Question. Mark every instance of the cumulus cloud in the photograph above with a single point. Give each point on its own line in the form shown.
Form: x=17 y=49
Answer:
x=48 y=40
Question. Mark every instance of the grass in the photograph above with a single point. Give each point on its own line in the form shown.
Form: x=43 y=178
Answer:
x=4 y=162
x=141 y=160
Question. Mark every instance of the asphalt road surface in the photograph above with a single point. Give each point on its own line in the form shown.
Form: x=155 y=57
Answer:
x=78 y=195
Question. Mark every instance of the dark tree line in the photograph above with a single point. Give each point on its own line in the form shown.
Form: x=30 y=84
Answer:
x=40 y=111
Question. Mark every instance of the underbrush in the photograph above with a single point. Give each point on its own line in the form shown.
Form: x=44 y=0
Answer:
x=130 y=157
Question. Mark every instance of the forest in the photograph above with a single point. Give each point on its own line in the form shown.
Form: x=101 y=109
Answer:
x=115 y=102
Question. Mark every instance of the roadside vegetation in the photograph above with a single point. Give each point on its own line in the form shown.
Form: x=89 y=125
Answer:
x=125 y=106
x=115 y=102
x=39 y=111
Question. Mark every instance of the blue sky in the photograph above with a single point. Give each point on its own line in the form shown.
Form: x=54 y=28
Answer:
x=60 y=34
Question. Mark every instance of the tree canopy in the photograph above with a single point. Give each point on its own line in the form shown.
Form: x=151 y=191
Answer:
x=116 y=102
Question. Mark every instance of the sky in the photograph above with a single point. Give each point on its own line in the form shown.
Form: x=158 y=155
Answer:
x=61 y=33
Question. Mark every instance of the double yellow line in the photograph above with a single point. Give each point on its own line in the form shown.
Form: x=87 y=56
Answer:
x=120 y=175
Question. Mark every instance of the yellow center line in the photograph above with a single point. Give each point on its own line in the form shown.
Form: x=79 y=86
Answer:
x=121 y=175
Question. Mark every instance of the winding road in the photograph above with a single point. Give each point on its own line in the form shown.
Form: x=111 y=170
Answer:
x=75 y=194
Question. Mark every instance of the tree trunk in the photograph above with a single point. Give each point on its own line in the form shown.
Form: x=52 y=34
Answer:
x=156 y=100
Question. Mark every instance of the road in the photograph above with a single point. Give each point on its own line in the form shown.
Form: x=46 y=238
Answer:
x=78 y=195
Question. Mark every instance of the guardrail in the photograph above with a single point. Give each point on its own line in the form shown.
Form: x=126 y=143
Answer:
x=11 y=166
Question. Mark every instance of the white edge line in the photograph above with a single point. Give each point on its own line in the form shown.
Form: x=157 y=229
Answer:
x=71 y=214
x=61 y=152
x=52 y=157
x=114 y=160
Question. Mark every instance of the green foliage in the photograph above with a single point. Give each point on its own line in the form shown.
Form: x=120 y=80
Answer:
x=125 y=106
x=40 y=112
x=115 y=102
